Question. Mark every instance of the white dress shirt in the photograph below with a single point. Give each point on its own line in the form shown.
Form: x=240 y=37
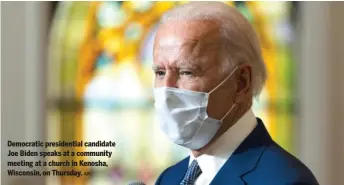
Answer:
x=220 y=151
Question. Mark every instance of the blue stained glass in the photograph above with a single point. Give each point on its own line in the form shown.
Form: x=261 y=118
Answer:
x=103 y=60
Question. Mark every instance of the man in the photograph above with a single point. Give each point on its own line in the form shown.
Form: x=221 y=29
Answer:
x=208 y=67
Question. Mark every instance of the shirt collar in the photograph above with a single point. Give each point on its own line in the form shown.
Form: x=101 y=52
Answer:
x=219 y=152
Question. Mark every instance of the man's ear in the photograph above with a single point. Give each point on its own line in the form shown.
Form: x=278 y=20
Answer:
x=243 y=83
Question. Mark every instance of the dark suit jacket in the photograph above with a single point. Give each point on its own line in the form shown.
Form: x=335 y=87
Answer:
x=257 y=161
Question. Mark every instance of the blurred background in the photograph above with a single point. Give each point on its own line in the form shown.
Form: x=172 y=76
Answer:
x=82 y=71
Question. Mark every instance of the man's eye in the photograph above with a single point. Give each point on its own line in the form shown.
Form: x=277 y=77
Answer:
x=159 y=73
x=187 y=73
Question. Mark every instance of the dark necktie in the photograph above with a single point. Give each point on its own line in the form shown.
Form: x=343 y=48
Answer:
x=192 y=174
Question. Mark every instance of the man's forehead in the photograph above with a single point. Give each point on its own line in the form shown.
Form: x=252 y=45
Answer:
x=185 y=51
x=188 y=29
x=187 y=35
x=177 y=43
x=185 y=58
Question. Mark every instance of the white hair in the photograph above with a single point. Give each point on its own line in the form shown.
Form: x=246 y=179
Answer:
x=241 y=43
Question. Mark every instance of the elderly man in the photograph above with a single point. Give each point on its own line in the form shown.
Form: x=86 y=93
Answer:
x=208 y=67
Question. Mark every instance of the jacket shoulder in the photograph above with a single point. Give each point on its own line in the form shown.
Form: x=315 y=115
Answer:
x=161 y=176
x=278 y=165
x=173 y=172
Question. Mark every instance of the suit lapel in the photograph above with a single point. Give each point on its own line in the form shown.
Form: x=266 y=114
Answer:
x=245 y=158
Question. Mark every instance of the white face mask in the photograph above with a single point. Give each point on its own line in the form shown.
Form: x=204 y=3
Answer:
x=183 y=115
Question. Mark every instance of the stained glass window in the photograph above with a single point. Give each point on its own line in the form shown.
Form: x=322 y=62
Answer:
x=100 y=84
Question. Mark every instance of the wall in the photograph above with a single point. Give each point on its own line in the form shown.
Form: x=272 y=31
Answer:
x=321 y=100
x=24 y=27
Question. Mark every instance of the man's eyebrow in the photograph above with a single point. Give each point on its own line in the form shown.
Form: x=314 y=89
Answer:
x=181 y=64
x=188 y=63
x=156 y=67
x=189 y=66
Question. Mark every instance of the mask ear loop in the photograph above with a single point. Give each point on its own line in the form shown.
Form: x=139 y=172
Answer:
x=230 y=110
x=224 y=80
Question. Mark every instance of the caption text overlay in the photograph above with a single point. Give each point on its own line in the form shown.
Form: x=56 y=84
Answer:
x=59 y=158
